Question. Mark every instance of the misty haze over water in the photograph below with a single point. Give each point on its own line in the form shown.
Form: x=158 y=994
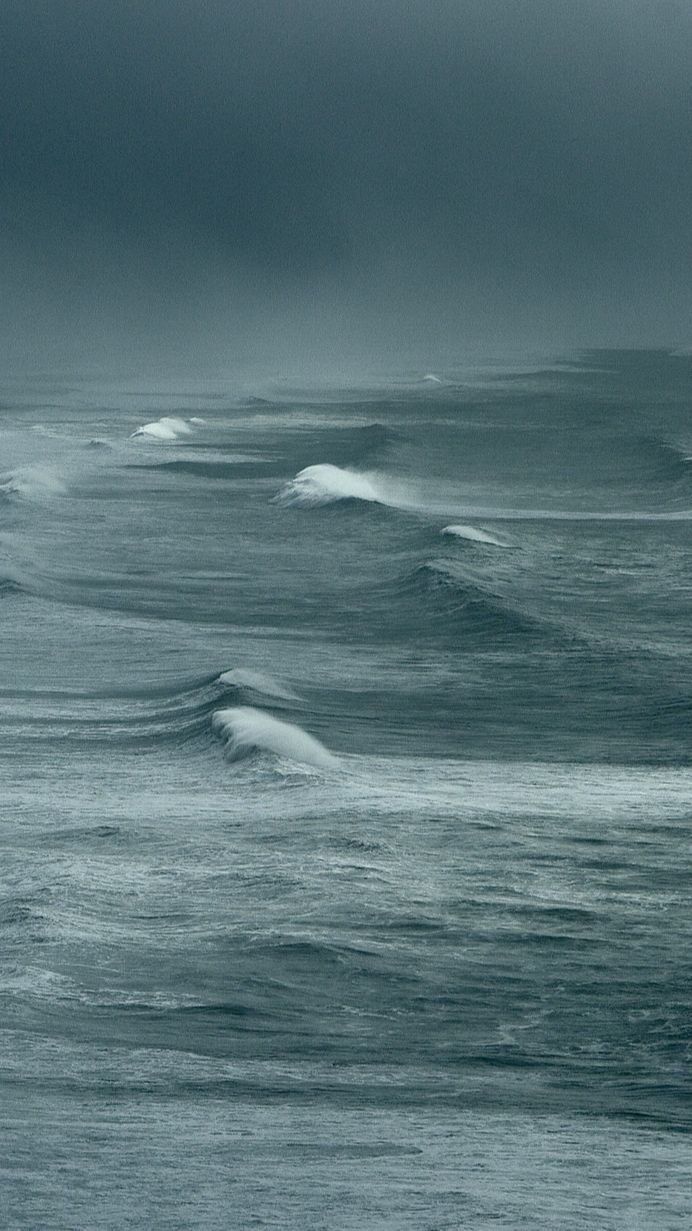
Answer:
x=306 y=181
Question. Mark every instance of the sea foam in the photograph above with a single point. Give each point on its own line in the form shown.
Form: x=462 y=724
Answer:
x=246 y=729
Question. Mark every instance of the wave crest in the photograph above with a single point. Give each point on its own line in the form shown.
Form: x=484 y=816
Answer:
x=257 y=682
x=444 y=589
x=326 y=484
x=474 y=534
x=245 y=730
x=168 y=428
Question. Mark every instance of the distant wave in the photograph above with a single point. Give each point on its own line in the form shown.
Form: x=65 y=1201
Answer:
x=656 y=467
x=372 y=437
x=660 y=457
x=326 y=484
x=166 y=428
x=474 y=535
x=245 y=730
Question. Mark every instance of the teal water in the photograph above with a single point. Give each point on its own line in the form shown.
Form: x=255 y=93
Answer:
x=346 y=772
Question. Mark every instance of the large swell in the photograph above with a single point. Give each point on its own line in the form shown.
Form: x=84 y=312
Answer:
x=346 y=774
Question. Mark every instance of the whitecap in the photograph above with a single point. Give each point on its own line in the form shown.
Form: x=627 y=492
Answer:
x=164 y=429
x=246 y=729
x=325 y=484
x=474 y=535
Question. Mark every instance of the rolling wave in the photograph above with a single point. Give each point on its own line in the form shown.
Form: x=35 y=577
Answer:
x=245 y=729
x=467 y=607
x=657 y=462
x=257 y=682
x=669 y=490
x=9 y=586
x=149 y=715
x=238 y=466
x=354 y=445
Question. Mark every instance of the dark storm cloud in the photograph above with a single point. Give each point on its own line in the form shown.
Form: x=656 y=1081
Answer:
x=482 y=155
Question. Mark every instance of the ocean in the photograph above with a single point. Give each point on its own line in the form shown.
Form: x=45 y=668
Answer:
x=346 y=795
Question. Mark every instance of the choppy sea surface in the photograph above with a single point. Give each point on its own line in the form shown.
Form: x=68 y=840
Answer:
x=346 y=776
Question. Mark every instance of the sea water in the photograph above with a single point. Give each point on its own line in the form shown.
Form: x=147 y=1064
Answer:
x=346 y=799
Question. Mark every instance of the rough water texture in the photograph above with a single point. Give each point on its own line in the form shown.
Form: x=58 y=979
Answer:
x=346 y=867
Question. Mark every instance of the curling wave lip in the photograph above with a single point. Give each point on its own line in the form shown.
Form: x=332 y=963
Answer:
x=246 y=729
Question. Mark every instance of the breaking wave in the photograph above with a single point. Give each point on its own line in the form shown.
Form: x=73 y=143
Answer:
x=325 y=484
x=32 y=482
x=256 y=682
x=151 y=715
x=246 y=730
x=474 y=535
x=166 y=428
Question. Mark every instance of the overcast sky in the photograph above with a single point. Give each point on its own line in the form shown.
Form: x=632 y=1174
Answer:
x=203 y=176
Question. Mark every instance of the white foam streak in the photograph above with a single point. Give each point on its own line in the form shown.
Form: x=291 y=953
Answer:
x=246 y=729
